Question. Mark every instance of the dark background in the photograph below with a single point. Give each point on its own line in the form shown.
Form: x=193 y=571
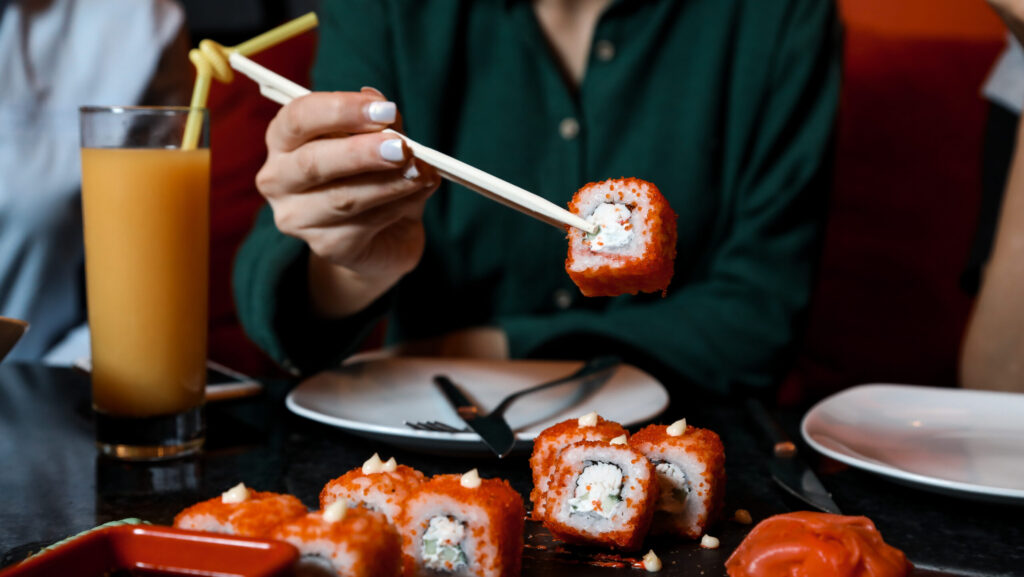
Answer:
x=233 y=21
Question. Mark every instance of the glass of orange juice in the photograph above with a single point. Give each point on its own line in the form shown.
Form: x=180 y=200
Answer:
x=145 y=204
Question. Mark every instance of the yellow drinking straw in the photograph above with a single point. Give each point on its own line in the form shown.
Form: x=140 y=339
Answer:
x=211 y=61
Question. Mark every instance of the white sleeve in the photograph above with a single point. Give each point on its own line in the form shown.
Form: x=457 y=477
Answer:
x=1005 y=83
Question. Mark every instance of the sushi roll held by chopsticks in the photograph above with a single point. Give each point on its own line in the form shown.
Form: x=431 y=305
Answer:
x=462 y=525
x=634 y=249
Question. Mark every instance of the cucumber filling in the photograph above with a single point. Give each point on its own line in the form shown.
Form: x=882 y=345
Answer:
x=442 y=544
x=674 y=487
x=598 y=490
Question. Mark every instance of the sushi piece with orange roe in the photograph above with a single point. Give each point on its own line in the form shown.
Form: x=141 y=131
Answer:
x=241 y=511
x=809 y=544
x=353 y=542
x=602 y=493
x=690 y=465
x=634 y=249
x=589 y=427
x=377 y=485
x=464 y=525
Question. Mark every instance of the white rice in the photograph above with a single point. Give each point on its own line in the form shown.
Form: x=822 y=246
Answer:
x=635 y=477
x=598 y=203
x=421 y=509
x=203 y=522
x=543 y=477
x=694 y=483
x=374 y=493
x=317 y=551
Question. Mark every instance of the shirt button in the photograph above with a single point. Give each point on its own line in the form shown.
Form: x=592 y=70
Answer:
x=563 y=299
x=604 y=50
x=569 y=127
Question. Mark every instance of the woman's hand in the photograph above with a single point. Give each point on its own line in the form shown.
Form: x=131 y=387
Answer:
x=354 y=194
x=1012 y=13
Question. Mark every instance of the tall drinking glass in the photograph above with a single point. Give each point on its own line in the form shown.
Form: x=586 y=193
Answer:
x=145 y=203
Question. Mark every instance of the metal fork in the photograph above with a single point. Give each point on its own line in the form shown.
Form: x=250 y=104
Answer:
x=591 y=367
x=436 y=426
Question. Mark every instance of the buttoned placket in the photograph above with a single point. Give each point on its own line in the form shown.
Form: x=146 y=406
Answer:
x=566 y=117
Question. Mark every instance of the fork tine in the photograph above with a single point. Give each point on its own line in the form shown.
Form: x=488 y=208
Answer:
x=435 y=426
x=445 y=427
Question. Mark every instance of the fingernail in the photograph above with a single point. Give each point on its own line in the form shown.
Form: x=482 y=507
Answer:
x=383 y=112
x=371 y=89
x=412 y=173
x=392 y=150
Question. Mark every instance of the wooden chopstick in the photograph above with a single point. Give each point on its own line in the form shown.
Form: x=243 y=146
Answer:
x=281 y=90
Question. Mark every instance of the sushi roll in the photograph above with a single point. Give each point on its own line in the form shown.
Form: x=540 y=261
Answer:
x=377 y=485
x=462 y=525
x=634 y=249
x=353 y=542
x=603 y=493
x=690 y=464
x=589 y=427
x=241 y=511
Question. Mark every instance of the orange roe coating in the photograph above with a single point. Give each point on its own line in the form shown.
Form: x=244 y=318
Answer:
x=385 y=491
x=706 y=446
x=255 y=517
x=365 y=535
x=806 y=544
x=500 y=504
x=552 y=440
x=630 y=536
x=650 y=272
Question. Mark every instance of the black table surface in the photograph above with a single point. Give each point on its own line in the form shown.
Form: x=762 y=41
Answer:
x=53 y=484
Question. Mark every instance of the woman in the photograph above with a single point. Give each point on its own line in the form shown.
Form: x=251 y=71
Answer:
x=993 y=347
x=726 y=106
x=54 y=57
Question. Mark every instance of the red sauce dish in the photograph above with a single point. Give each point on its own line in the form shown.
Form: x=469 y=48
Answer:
x=155 y=550
x=807 y=544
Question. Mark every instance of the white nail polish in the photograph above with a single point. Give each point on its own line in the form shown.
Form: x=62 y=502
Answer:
x=392 y=150
x=383 y=112
x=412 y=173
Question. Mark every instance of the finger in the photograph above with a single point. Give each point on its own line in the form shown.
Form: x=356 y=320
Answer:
x=341 y=205
x=320 y=113
x=323 y=161
x=361 y=239
x=364 y=194
x=342 y=243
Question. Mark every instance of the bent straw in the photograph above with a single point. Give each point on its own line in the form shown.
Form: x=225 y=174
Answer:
x=210 y=60
x=281 y=90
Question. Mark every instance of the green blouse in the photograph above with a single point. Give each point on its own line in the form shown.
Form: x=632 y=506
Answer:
x=726 y=105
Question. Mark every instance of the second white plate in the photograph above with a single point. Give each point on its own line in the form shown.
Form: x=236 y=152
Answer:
x=373 y=399
x=953 y=441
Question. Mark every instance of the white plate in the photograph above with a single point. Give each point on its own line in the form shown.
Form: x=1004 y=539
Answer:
x=374 y=398
x=951 y=441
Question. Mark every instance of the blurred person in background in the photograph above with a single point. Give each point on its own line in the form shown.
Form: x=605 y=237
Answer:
x=992 y=355
x=57 y=55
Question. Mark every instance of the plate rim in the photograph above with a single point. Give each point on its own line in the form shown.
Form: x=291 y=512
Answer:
x=886 y=470
x=445 y=441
